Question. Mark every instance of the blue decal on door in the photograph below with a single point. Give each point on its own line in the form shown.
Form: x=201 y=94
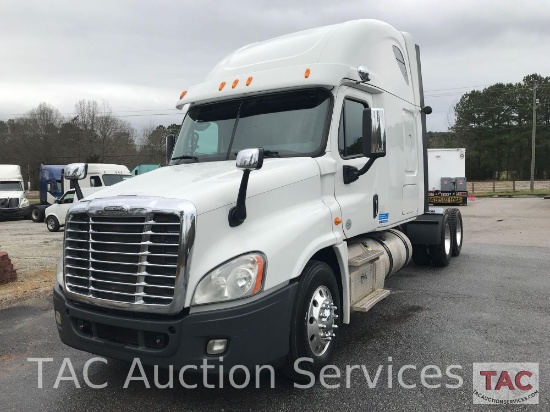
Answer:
x=383 y=217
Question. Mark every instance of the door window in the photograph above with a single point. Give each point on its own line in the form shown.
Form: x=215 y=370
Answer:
x=95 y=181
x=350 y=139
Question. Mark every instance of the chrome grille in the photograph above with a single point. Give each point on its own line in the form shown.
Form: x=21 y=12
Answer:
x=9 y=202
x=126 y=258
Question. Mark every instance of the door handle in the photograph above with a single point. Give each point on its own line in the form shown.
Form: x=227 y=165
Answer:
x=374 y=206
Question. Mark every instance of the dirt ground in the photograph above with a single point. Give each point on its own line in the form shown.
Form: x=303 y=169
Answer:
x=34 y=251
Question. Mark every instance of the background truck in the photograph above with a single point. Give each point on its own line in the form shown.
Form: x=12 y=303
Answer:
x=297 y=184
x=13 y=200
x=52 y=184
x=140 y=169
x=447 y=177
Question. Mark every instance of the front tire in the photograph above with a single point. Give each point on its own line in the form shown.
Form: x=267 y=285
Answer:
x=52 y=224
x=315 y=321
x=441 y=253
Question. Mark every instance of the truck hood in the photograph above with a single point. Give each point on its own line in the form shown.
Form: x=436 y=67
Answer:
x=215 y=184
x=11 y=194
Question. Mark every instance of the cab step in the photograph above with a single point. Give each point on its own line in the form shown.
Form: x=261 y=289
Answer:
x=365 y=257
x=370 y=300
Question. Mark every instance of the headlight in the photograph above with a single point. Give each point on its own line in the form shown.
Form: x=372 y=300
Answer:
x=59 y=273
x=24 y=202
x=238 y=278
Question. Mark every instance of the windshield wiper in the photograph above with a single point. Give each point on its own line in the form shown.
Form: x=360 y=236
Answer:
x=195 y=158
x=267 y=153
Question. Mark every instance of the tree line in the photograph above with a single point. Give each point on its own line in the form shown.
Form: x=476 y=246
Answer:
x=495 y=126
x=92 y=134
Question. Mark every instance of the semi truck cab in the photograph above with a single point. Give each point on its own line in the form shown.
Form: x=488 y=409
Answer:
x=13 y=199
x=297 y=184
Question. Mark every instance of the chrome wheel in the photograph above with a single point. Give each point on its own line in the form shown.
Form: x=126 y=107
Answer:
x=458 y=235
x=448 y=241
x=321 y=320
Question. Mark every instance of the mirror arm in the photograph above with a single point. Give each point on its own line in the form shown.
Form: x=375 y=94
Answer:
x=78 y=190
x=237 y=214
x=351 y=173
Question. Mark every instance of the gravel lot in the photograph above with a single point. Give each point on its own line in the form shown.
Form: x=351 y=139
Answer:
x=31 y=246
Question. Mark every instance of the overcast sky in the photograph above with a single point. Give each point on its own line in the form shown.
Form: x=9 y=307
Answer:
x=139 y=55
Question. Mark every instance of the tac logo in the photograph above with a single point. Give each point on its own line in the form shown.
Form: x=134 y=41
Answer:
x=506 y=383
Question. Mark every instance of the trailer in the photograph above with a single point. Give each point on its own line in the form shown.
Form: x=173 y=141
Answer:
x=447 y=177
x=298 y=183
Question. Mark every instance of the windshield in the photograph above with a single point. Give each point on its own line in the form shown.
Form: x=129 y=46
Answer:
x=110 y=180
x=11 y=186
x=284 y=124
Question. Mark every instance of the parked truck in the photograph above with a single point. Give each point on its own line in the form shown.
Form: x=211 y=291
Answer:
x=53 y=184
x=144 y=168
x=13 y=200
x=297 y=184
x=447 y=177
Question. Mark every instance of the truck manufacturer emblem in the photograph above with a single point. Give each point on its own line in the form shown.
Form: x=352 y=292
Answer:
x=114 y=209
x=348 y=224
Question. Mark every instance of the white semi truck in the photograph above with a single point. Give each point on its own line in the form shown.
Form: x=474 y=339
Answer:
x=447 y=177
x=13 y=200
x=297 y=184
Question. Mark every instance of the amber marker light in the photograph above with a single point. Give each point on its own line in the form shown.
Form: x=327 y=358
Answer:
x=182 y=95
x=235 y=82
x=259 y=276
x=248 y=81
x=337 y=221
x=307 y=73
x=222 y=85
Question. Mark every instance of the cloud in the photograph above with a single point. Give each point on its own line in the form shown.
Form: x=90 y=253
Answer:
x=139 y=55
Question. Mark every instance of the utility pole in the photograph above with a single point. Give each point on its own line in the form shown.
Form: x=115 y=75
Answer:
x=533 y=136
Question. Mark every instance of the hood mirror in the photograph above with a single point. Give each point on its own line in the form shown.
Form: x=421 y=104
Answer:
x=247 y=160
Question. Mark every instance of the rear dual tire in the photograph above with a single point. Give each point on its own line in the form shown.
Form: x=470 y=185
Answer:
x=450 y=242
x=441 y=254
x=37 y=214
x=457 y=230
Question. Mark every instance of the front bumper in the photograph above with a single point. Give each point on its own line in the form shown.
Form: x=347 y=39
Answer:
x=257 y=332
x=14 y=212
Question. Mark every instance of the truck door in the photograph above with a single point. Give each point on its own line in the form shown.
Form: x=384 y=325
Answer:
x=361 y=202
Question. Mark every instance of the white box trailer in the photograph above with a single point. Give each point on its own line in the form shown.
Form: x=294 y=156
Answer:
x=282 y=197
x=447 y=177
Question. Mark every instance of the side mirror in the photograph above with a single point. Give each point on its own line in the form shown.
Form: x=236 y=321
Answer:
x=374 y=143
x=374 y=133
x=76 y=171
x=170 y=143
x=250 y=159
x=247 y=161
